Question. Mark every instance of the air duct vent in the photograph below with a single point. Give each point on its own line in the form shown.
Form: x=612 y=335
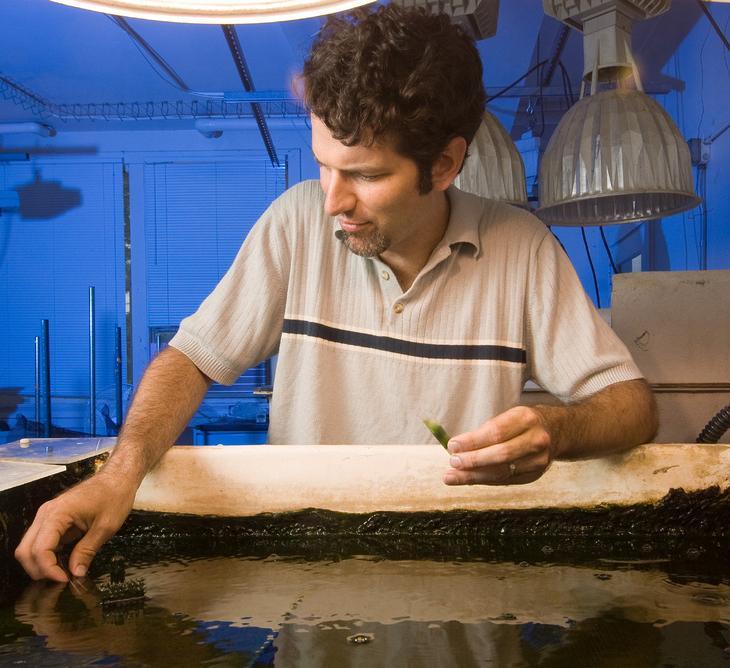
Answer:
x=477 y=17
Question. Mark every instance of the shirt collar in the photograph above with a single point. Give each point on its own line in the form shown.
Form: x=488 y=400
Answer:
x=466 y=212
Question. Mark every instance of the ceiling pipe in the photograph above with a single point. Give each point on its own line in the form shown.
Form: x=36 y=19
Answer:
x=30 y=127
x=245 y=75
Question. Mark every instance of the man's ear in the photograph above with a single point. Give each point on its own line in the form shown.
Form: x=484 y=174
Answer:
x=448 y=164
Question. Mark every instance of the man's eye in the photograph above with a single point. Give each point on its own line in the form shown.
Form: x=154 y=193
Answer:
x=368 y=177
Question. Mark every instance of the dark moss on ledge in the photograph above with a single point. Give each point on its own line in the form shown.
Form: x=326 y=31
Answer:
x=689 y=531
x=680 y=527
x=702 y=514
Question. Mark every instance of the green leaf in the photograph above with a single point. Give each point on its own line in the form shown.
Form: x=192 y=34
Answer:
x=438 y=431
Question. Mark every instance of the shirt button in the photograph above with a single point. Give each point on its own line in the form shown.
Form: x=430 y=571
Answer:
x=385 y=275
x=398 y=308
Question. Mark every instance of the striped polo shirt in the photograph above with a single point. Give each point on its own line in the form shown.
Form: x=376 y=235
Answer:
x=360 y=361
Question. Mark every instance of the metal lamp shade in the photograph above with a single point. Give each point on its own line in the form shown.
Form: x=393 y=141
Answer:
x=615 y=157
x=494 y=167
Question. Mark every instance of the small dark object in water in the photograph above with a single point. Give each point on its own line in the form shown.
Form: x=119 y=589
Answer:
x=709 y=599
x=693 y=552
x=505 y=617
x=117 y=569
x=360 y=638
x=602 y=576
x=130 y=592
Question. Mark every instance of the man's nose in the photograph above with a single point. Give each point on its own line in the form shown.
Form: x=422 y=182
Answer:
x=339 y=197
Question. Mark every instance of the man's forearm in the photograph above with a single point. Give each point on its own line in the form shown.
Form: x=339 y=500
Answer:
x=167 y=397
x=617 y=418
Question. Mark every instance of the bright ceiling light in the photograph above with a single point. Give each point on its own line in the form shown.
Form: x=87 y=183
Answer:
x=217 y=11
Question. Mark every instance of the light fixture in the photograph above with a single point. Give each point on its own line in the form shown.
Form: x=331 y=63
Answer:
x=217 y=11
x=616 y=155
x=28 y=127
x=494 y=167
x=477 y=18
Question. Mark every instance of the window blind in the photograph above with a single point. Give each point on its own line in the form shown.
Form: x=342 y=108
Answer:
x=197 y=214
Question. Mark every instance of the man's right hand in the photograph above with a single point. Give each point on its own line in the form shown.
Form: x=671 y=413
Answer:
x=92 y=511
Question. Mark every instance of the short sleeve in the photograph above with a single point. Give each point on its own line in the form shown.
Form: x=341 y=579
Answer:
x=239 y=324
x=572 y=351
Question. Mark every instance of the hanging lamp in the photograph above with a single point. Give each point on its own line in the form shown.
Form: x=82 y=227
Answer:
x=493 y=167
x=616 y=155
x=217 y=11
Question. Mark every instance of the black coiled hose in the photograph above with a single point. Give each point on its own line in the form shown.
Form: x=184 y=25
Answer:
x=716 y=427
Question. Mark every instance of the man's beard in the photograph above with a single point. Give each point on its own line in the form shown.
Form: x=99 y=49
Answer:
x=371 y=244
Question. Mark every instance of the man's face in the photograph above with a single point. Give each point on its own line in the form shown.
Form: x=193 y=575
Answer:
x=372 y=191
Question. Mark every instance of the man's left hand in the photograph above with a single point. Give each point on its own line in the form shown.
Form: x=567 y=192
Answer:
x=512 y=448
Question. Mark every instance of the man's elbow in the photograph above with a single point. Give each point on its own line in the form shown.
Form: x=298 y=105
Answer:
x=647 y=412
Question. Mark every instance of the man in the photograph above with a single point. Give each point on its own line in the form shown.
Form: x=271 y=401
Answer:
x=389 y=296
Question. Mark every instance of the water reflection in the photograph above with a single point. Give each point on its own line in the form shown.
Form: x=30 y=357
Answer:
x=292 y=612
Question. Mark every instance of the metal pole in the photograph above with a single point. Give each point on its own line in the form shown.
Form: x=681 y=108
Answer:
x=92 y=363
x=46 y=377
x=37 y=386
x=118 y=376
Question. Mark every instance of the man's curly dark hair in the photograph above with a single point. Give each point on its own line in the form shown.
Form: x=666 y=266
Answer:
x=404 y=75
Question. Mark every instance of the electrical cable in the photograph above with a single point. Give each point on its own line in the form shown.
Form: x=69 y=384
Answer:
x=566 y=80
x=702 y=83
x=590 y=262
x=701 y=243
x=716 y=427
x=540 y=97
x=724 y=53
x=170 y=77
x=714 y=24
x=566 y=96
x=694 y=218
x=516 y=81
x=608 y=250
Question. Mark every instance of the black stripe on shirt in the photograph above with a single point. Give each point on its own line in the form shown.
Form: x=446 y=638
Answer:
x=412 y=348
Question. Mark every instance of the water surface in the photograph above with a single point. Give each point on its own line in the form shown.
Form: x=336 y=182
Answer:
x=364 y=610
